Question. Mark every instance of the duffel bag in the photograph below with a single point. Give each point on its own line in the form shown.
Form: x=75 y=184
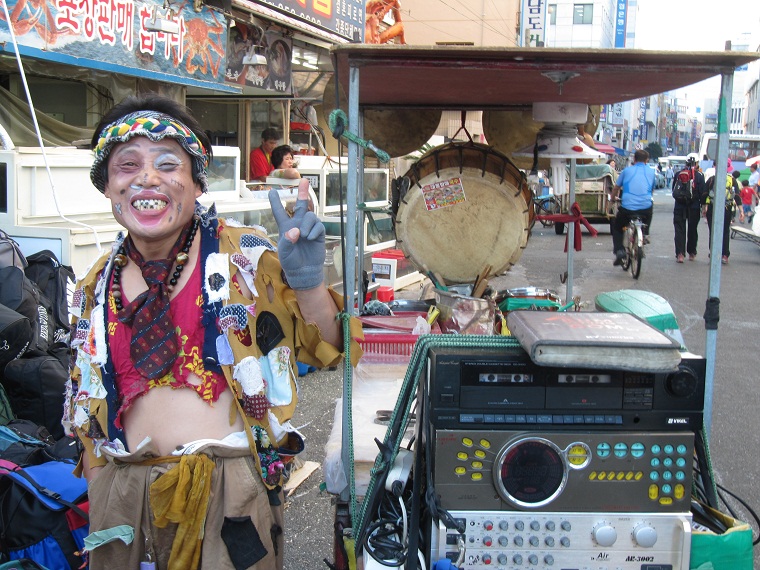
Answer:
x=35 y=388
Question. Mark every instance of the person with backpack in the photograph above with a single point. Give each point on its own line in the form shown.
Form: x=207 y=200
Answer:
x=187 y=333
x=634 y=186
x=688 y=192
x=731 y=188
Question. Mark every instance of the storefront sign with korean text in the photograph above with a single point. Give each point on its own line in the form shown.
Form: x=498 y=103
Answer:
x=122 y=36
x=342 y=17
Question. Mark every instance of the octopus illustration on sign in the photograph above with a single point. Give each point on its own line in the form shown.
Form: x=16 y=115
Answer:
x=377 y=10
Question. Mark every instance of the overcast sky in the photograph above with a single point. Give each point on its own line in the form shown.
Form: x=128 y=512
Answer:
x=688 y=25
x=695 y=25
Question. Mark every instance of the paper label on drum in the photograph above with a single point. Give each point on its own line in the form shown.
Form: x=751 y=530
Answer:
x=443 y=193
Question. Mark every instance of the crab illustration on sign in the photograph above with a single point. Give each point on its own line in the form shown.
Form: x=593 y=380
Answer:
x=199 y=44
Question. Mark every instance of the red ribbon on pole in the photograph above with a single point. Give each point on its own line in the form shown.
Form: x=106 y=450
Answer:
x=576 y=216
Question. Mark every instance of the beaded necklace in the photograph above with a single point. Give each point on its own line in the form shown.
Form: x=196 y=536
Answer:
x=121 y=259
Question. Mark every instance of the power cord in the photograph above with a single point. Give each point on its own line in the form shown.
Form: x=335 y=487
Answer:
x=386 y=538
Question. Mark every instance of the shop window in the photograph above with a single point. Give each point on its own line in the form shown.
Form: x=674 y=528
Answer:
x=552 y=11
x=583 y=13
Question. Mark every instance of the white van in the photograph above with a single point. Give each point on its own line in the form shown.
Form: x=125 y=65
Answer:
x=677 y=162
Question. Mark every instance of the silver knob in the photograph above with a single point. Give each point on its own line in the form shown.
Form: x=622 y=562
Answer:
x=645 y=535
x=604 y=534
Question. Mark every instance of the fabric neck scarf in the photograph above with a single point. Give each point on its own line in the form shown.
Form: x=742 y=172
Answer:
x=154 y=340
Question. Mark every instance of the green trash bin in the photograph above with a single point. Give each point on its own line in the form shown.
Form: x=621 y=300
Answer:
x=645 y=305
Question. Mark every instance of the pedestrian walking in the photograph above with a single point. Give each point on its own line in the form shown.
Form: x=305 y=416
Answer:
x=688 y=192
x=748 y=196
x=731 y=188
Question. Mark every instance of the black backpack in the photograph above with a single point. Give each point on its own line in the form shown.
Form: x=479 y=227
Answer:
x=35 y=386
x=10 y=252
x=54 y=281
x=19 y=293
x=43 y=514
x=16 y=335
x=682 y=187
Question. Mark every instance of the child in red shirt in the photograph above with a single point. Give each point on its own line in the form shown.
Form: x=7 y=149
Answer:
x=748 y=201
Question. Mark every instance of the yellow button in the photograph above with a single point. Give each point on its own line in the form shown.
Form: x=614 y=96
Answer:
x=476 y=476
x=485 y=444
x=602 y=475
x=577 y=455
x=460 y=470
x=462 y=456
x=629 y=476
x=611 y=475
x=638 y=475
x=592 y=476
x=480 y=453
x=679 y=491
x=620 y=476
x=467 y=441
x=654 y=492
x=477 y=465
x=666 y=501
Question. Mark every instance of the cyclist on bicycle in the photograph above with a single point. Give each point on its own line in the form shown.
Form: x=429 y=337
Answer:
x=634 y=186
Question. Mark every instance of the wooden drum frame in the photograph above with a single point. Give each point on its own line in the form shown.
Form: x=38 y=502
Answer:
x=468 y=206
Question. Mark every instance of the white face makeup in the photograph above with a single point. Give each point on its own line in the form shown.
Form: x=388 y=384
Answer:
x=151 y=189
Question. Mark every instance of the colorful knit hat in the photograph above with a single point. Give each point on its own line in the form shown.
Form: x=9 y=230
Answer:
x=155 y=126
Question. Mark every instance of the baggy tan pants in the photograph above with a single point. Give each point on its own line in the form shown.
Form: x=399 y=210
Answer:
x=240 y=520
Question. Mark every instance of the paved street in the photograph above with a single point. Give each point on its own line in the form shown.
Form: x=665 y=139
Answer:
x=736 y=422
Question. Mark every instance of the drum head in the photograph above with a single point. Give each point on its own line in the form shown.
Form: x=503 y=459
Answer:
x=467 y=207
x=508 y=131
x=396 y=131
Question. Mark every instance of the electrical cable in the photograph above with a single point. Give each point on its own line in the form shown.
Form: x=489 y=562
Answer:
x=316 y=129
x=386 y=537
x=39 y=132
x=749 y=509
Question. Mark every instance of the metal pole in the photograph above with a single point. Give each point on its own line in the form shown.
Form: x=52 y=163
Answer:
x=350 y=245
x=570 y=235
x=352 y=186
x=716 y=238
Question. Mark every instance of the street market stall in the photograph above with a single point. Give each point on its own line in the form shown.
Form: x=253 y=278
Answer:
x=514 y=79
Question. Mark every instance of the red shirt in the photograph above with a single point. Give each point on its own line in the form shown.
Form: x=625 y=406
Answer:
x=186 y=312
x=261 y=164
x=747 y=194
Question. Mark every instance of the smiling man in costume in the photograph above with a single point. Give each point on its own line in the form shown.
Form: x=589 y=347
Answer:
x=185 y=340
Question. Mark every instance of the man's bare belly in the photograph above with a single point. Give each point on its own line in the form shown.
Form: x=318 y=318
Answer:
x=172 y=417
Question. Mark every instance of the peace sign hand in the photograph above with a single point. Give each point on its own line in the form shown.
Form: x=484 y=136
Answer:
x=301 y=246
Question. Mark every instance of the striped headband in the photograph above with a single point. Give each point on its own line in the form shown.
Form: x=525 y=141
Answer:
x=155 y=126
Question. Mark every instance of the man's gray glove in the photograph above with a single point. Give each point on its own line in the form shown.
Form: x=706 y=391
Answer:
x=301 y=246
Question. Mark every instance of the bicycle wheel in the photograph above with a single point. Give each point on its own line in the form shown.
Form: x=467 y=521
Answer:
x=546 y=206
x=627 y=238
x=637 y=253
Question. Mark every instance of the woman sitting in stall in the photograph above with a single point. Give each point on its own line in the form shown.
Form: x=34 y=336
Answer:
x=284 y=163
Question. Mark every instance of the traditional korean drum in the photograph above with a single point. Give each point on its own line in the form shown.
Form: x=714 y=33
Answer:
x=468 y=206
x=395 y=131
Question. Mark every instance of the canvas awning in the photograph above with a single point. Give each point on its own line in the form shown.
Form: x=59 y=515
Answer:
x=605 y=148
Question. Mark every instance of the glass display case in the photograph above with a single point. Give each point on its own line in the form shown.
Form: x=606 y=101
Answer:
x=223 y=173
x=376 y=187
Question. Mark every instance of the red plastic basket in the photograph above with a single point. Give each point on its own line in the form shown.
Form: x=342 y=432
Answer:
x=388 y=343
